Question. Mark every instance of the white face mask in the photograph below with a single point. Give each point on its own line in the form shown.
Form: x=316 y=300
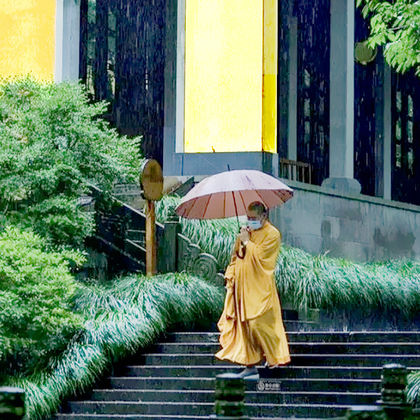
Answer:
x=254 y=224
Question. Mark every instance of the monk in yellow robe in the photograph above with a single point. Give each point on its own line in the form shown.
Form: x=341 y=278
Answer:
x=251 y=326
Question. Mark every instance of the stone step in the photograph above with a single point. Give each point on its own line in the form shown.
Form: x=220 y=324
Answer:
x=193 y=359
x=155 y=417
x=136 y=235
x=309 y=336
x=300 y=348
x=175 y=379
x=286 y=384
x=289 y=325
x=151 y=417
x=283 y=372
x=73 y=416
x=201 y=409
x=261 y=396
x=290 y=315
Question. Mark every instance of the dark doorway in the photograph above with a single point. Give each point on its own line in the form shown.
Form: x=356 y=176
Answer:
x=312 y=20
x=122 y=60
x=368 y=117
x=405 y=153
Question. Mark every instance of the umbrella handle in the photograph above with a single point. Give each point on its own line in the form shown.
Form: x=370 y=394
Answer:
x=243 y=255
x=236 y=210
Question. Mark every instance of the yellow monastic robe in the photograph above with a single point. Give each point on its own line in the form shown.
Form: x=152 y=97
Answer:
x=251 y=326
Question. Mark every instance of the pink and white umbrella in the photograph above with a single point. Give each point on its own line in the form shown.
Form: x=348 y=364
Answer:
x=229 y=194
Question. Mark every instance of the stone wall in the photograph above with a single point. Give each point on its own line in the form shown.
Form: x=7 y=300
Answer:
x=358 y=227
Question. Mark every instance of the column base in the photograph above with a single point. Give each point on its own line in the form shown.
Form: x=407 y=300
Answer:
x=181 y=164
x=342 y=185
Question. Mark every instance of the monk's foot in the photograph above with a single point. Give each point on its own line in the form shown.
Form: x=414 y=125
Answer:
x=249 y=373
x=266 y=365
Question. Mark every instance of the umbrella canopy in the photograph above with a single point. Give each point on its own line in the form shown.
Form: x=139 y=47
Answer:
x=229 y=194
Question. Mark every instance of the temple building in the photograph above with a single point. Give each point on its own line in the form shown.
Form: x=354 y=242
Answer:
x=288 y=87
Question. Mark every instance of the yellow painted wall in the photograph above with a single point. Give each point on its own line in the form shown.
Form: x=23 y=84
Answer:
x=223 y=75
x=27 y=38
x=230 y=76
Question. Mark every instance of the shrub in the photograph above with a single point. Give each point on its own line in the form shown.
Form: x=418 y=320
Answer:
x=36 y=292
x=52 y=144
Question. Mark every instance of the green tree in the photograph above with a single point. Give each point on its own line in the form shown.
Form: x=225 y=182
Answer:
x=53 y=143
x=395 y=25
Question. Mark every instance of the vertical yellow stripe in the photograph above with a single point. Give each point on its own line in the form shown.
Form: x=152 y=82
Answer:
x=223 y=75
x=27 y=38
x=269 y=93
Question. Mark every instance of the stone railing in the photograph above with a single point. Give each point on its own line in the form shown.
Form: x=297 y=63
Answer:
x=118 y=244
x=12 y=403
x=230 y=392
x=192 y=260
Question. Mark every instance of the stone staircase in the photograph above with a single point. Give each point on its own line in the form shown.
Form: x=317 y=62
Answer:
x=175 y=378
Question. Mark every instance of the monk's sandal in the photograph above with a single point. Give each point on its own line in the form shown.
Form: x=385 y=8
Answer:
x=267 y=366
x=249 y=373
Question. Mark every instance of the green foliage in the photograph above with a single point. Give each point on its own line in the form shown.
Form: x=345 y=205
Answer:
x=413 y=388
x=123 y=317
x=36 y=291
x=52 y=144
x=316 y=281
x=213 y=236
x=396 y=26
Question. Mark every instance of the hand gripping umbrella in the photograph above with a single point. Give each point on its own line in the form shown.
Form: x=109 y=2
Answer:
x=229 y=194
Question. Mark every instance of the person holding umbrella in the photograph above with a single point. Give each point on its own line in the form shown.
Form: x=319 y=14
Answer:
x=251 y=326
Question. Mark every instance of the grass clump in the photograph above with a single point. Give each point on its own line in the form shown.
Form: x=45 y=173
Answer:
x=122 y=317
x=318 y=281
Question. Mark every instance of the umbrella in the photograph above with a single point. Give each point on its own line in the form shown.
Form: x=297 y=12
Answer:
x=229 y=194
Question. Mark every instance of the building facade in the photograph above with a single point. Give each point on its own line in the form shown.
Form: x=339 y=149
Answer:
x=272 y=85
x=284 y=86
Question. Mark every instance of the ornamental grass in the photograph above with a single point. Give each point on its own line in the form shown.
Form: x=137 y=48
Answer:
x=319 y=281
x=121 y=318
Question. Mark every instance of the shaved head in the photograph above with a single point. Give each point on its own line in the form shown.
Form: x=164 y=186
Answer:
x=258 y=208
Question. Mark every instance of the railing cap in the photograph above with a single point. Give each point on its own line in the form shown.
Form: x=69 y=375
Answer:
x=11 y=390
x=228 y=376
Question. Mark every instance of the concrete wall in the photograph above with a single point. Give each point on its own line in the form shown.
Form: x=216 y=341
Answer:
x=358 y=227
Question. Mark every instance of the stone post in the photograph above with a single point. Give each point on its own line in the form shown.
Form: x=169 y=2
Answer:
x=368 y=412
x=12 y=403
x=67 y=32
x=167 y=246
x=341 y=169
x=394 y=382
x=229 y=397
